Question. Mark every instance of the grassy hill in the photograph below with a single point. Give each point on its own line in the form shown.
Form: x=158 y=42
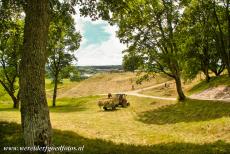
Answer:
x=107 y=82
x=150 y=125
x=147 y=126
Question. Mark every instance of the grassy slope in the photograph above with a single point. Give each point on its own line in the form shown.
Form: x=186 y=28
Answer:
x=193 y=127
x=10 y=134
x=190 y=88
x=109 y=82
x=214 y=82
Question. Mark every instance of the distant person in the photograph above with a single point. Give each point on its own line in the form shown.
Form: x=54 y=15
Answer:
x=109 y=95
x=166 y=85
x=133 y=88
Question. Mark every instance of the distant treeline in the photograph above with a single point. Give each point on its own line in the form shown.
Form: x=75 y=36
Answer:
x=97 y=69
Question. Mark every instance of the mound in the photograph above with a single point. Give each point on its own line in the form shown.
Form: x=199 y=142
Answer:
x=220 y=92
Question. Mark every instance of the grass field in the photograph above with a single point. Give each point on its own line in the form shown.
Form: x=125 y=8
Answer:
x=146 y=126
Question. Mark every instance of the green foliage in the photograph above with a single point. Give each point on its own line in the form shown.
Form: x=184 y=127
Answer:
x=198 y=39
x=142 y=26
x=73 y=73
x=131 y=62
x=11 y=38
x=149 y=27
x=63 y=42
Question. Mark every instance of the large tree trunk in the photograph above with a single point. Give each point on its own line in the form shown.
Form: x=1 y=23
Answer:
x=34 y=109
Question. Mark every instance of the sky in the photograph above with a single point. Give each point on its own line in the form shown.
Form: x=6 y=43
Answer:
x=99 y=45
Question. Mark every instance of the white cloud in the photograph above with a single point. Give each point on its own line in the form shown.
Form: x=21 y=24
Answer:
x=106 y=53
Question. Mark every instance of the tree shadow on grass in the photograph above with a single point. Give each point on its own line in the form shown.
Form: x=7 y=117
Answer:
x=59 y=108
x=9 y=109
x=10 y=134
x=69 y=105
x=189 y=111
x=68 y=108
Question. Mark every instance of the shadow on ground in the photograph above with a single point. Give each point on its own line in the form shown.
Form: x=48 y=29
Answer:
x=64 y=105
x=69 y=108
x=189 y=111
x=9 y=109
x=10 y=134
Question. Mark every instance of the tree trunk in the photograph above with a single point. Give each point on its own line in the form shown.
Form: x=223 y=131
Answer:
x=11 y=94
x=16 y=103
x=228 y=68
x=34 y=109
x=225 y=52
x=228 y=46
x=17 y=100
x=55 y=90
x=179 y=88
x=216 y=73
x=206 y=73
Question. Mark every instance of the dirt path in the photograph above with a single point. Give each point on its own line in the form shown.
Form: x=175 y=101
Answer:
x=137 y=92
x=195 y=96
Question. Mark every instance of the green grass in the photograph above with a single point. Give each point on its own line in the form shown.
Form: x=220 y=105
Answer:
x=11 y=135
x=214 y=82
x=147 y=126
x=188 y=111
x=66 y=85
x=4 y=97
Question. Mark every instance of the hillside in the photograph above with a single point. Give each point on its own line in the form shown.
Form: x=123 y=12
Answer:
x=108 y=82
x=217 y=88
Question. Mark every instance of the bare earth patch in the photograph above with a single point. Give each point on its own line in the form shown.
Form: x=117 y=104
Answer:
x=219 y=92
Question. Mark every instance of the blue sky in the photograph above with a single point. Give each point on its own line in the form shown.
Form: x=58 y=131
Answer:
x=99 y=45
x=95 y=33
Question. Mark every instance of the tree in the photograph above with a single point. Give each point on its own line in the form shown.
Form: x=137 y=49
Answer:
x=221 y=16
x=10 y=43
x=35 y=117
x=56 y=66
x=63 y=41
x=131 y=62
x=198 y=40
x=149 y=27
